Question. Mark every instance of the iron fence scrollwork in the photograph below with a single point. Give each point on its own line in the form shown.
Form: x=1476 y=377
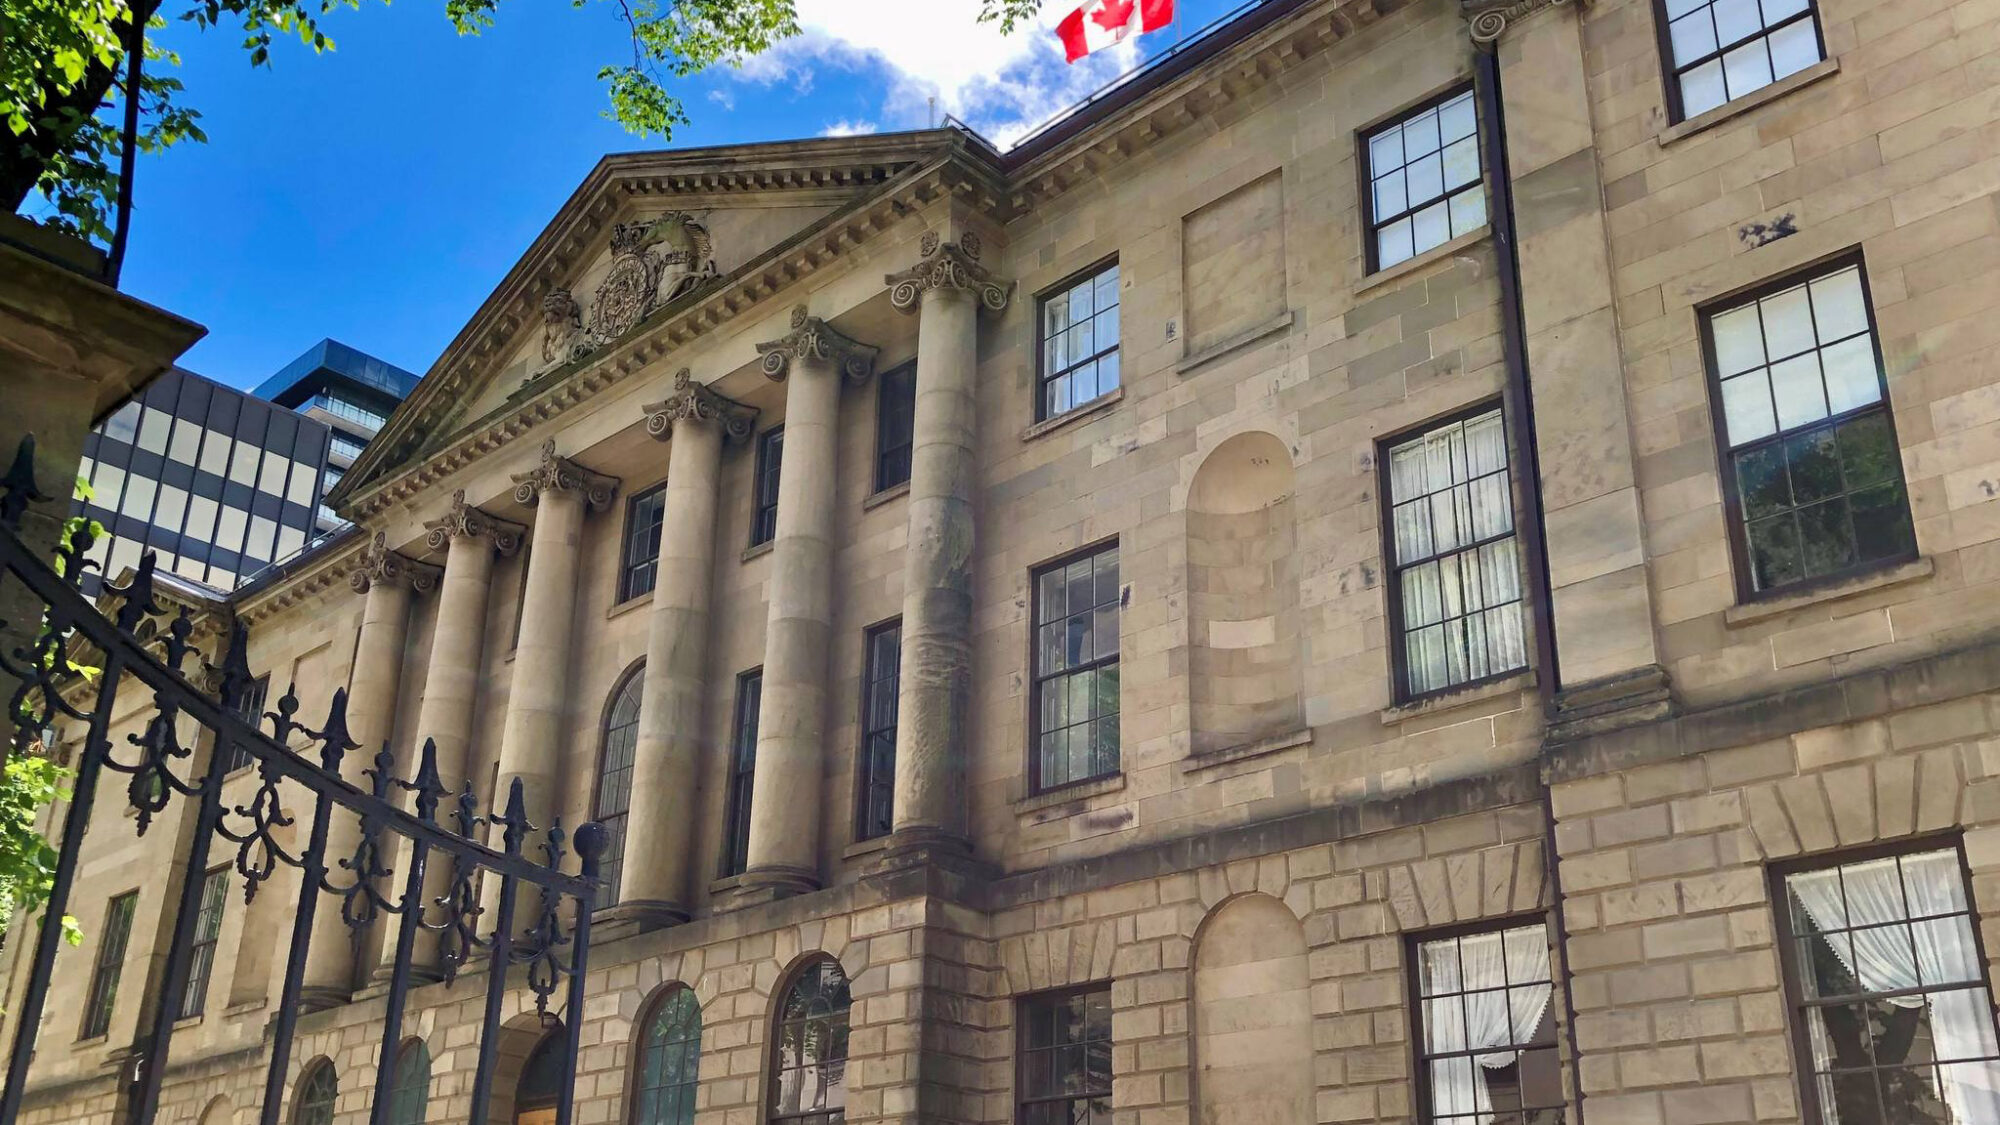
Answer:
x=68 y=669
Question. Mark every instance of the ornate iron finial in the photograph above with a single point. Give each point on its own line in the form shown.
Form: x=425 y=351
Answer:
x=696 y=402
x=174 y=649
x=560 y=474
x=947 y=268
x=334 y=740
x=18 y=488
x=813 y=339
x=463 y=520
x=235 y=670
x=515 y=819
x=427 y=787
x=138 y=594
x=590 y=842
x=381 y=565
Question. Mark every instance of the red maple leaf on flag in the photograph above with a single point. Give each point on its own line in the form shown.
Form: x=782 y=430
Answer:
x=1114 y=14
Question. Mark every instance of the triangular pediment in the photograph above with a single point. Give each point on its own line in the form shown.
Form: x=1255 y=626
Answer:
x=644 y=237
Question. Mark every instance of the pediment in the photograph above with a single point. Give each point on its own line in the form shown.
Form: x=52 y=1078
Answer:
x=645 y=235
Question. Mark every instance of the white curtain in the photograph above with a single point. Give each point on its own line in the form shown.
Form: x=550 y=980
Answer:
x=1888 y=958
x=1488 y=1018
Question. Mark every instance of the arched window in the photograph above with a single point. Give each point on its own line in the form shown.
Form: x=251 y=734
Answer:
x=409 y=1097
x=540 y=1086
x=312 y=1104
x=614 y=777
x=669 y=1058
x=809 y=1051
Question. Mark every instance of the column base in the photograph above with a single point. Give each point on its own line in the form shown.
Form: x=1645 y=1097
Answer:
x=760 y=885
x=922 y=845
x=385 y=975
x=928 y=861
x=643 y=914
x=1627 y=699
x=314 y=998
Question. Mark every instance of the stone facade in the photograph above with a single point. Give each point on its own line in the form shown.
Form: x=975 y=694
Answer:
x=1285 y=827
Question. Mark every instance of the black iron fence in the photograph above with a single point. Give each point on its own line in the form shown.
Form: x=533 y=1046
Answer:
x=61 y=676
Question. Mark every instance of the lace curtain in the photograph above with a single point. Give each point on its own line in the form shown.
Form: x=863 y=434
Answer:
x=1492 y=1013
x=1889 y=958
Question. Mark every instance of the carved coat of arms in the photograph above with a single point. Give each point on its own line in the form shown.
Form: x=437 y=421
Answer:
x=653 y=262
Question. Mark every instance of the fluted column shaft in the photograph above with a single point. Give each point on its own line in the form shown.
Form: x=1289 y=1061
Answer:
x=371 y=713
x=659 y=841
x=948 y=288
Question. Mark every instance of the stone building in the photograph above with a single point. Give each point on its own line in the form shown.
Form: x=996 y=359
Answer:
x=1418 y=562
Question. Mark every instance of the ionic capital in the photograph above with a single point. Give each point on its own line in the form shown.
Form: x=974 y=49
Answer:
x=695 y=402
x=560 y=474
x=380 y=566
x=813 y=339
x=1487 y=20
x=463 y=521
x=947 y=267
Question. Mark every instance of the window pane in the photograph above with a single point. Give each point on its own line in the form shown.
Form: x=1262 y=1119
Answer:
x=1852 y=377
x=1702 y=89
x=1692 y=36
x=153 y=427
x=1794 y=47
x=1747 y=68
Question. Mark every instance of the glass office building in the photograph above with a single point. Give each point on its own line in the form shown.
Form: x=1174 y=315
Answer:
x=222 y=483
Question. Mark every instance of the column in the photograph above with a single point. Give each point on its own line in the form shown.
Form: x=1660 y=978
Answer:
x=387 y=579
x=671 y=746
x=531 y=742
x=469 y=538
x=785 y=808
x=948 y=288
x=1602 y=608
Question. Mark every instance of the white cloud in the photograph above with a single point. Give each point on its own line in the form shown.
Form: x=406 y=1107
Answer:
x=723 y=98
x=1002 y=85
x=848 y=129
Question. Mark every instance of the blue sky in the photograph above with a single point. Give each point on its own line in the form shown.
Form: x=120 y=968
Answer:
x=377 y=193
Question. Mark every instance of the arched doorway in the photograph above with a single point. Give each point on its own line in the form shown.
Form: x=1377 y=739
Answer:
x=540 y=1087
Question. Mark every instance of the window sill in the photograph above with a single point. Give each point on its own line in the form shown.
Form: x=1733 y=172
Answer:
x=725 y=884
x=760 y=550
x=1075 y=414
x=1280 y=323
x=1082 y=790
x=1701 y=122
x=628 y=605
x=860 y=848
x=1750 y=613
x=1430 y=257
x=1451 y=698
x=892 y=492
x=1243 y=752
x=243 y=1007
x=187 y=1021
x=93 y=1041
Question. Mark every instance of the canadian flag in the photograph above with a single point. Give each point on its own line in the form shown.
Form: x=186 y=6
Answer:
x=1097 y=24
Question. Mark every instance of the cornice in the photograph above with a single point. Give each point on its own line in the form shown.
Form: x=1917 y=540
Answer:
x=697 y=402
x=956 y=171
x=328 y=572
x=1182 y=97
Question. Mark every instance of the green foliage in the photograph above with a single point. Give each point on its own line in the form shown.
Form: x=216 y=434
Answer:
x=62 y=69
x=27 y=860
x=1009 y=14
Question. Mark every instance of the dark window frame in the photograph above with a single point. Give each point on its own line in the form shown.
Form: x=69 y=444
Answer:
x=774 y=1052
x=612 y=867
x=867 y=784
x=1670 y=72
x=1036 y=678
x=1392 y=586
x=1725 y=454
x=735 y=857
x=404 y=1095
x=1371 y=224
x=100 y=1002
x=251 y=711
x=679 y=1095
x=1413 y=991
x=764 y=486
x=1023 y=1005
x=1043 y=376
x=1786 y=939
x=894 y=459
x=637 y=577
x=322 y=1111
x=207 y=939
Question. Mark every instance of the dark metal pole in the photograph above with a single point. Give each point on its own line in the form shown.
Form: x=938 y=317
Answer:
x=590 y=846
x=312 y=872
x=135 y=57
x=1519 y=393
x=153 y=1065
x=496 y=992
x=399 y=984
x=49 y=938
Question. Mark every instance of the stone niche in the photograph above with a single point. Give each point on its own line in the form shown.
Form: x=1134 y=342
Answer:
x=1243 y=595
x=1253 y=1025
x=1233 y=264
